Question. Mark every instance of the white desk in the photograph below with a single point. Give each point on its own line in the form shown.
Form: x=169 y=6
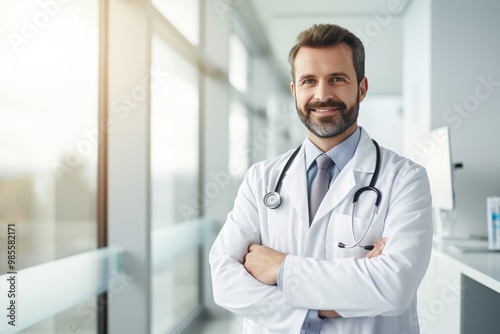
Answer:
x=460 y=292
x=483 y=267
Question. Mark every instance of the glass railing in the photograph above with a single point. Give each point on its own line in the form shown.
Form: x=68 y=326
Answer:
x=33 y=294
x=39 y=292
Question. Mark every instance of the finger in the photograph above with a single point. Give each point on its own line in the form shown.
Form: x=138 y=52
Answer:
x=252 y=247
x=374 y=253
x=371 y=253
x=378 y=246
x=381 y=242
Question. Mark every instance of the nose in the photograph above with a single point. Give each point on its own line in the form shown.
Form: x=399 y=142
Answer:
x=323 y=91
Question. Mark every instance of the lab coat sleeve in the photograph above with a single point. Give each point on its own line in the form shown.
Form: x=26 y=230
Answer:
x=233 y=287
x=384 y=285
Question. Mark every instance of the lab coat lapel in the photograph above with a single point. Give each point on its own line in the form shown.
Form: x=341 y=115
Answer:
x=295 y=186
x=361 y=164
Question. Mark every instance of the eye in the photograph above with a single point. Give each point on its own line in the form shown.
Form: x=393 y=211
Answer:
x=308 y=81
x=337 y=79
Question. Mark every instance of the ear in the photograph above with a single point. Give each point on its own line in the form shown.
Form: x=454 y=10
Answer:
x=363 y=89
x=292 y=88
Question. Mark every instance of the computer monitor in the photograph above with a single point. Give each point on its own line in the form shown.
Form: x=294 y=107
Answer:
x=439 y=166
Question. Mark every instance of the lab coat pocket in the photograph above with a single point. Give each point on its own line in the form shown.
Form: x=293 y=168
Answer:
x=340 y=230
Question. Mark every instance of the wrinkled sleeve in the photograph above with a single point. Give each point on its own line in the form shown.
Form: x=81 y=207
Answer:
x=384 y=285
x=233 y=287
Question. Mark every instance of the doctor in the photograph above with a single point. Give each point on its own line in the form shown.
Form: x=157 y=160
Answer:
x=284 y=269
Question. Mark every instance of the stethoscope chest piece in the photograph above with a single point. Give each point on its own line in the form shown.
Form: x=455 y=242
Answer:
x=272 y=200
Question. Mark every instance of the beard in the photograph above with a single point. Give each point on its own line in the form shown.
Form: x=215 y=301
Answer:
x=327 y=126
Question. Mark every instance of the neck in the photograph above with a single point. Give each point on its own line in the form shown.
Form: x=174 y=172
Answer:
x=326 y=144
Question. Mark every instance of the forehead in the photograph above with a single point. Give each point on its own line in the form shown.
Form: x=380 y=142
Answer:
x=330 y=59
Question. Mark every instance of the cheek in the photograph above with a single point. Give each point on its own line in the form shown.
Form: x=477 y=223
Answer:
x=350 y=95
x=302 y=98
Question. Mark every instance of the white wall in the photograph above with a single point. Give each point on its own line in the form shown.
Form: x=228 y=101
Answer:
x=450 y=50
x=416 y=73
x=465 y=51
x=380 y=113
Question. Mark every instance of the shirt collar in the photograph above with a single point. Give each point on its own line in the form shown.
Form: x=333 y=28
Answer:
x=340 y=154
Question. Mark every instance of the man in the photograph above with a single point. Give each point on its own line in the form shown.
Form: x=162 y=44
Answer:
x=314 y=264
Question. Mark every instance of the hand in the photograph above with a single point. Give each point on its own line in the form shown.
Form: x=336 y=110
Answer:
x=328 y=314
x=263 y=263
x=376 y=251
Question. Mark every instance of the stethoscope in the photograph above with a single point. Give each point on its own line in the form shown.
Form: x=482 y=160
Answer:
x=273 y=199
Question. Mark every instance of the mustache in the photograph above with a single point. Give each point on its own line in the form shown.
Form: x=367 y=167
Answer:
x=330 y=103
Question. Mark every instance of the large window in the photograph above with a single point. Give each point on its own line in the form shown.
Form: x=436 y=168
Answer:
x=174 y=136
x=239 y=134
x=158 y=181
x=48 y=135
x=240 y=115
x=238 y=64
x=174 y=182
x=183 y=15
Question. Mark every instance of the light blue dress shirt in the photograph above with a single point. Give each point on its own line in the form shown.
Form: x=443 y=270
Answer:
x=341 y=155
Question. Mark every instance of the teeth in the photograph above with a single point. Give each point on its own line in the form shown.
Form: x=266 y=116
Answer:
x=322 y=110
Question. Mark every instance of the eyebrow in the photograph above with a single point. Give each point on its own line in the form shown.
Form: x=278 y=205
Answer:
x=340 y=74
x=334 y=74
x=306 y=76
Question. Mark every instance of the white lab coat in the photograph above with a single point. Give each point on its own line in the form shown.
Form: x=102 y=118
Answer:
x=375 y=295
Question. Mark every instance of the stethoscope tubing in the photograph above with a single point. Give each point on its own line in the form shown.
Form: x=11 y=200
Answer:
x=273 y=199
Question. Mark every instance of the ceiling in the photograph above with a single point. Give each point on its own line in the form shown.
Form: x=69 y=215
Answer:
x=378 y=23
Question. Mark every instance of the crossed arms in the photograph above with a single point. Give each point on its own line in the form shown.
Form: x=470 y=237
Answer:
x=263 y=264
x=382 y=284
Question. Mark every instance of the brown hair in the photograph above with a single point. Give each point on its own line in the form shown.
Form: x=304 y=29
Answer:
x=325 y=35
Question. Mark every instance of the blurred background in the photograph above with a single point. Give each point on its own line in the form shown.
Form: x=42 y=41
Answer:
x=131 y=123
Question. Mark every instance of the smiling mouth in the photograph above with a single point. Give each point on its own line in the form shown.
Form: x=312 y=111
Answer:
x=324 y=110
